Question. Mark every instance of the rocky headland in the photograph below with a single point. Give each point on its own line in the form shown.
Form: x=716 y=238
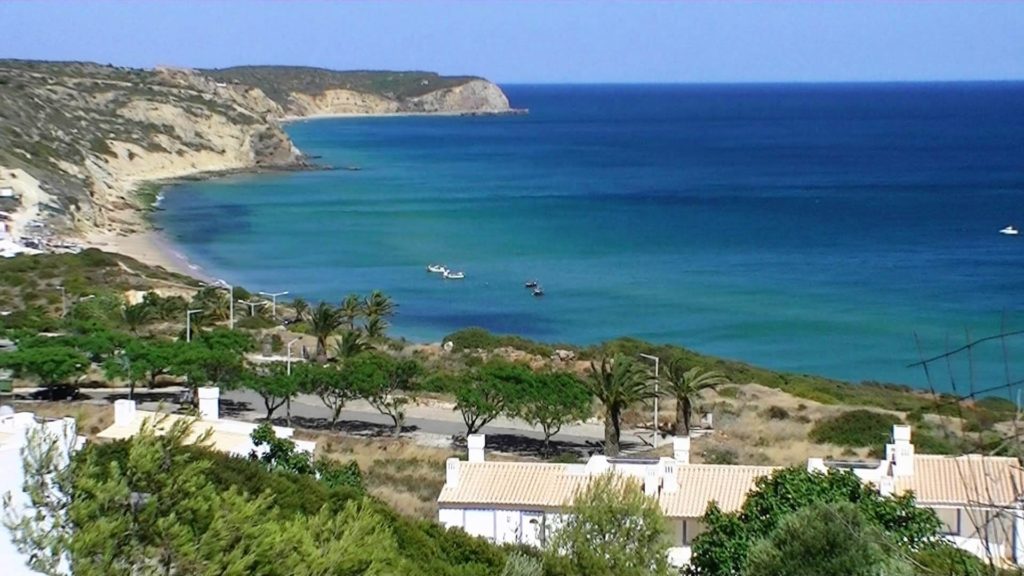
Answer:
x=78 y=140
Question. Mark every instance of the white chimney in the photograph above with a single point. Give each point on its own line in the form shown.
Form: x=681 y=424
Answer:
x=124 y=412
x=669 y=483
x=651 y=481
x=209 y=403
x=475 y=443
x=451 y=472
x=816 y=465
x=681 y=450
x=900 y=452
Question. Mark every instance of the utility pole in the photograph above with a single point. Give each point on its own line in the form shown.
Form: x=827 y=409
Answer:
x=288 y=369
x=657 y=363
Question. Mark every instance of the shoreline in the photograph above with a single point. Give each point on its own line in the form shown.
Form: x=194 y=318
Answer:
x=150 y=247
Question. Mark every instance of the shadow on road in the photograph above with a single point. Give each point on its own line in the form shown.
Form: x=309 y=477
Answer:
x=348 y=427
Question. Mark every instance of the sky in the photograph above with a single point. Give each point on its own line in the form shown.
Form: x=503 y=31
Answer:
x=555 y=41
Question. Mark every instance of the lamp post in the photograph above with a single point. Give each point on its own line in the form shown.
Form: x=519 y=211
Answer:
x=188 y=323
x=288 y=364
x=273 y=296
x=657 y=364
x=288 y=369
x=252 y=304
x=63 y=301
x=231 y=300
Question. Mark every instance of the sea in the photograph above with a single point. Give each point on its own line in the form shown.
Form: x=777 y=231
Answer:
x=843 y=230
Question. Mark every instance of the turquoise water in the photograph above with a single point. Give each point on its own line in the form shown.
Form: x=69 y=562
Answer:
x=806 y=228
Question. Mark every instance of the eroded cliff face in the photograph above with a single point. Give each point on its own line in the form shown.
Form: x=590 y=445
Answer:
x=91 y=133
x=473 y=97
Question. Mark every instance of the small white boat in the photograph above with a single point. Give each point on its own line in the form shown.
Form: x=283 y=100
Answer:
x=538 y=291
x=1009 y=231
x=448 y=274
x=437 y=268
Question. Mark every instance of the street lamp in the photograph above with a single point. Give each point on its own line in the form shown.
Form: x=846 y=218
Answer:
x=289 y=362
x=188 y=323
x=288 y=369
x=252 y=304
x=63 y=301
x=273 y=296
x=657 y=363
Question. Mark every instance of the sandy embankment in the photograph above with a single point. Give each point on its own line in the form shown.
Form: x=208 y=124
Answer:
x=149 y=247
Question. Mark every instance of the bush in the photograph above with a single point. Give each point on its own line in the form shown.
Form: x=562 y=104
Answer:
x=856 y=428
x=721 y=456
x=777 y=413
x=481 y=339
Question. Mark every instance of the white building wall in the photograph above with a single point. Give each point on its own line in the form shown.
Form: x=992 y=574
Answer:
x=479 y=522
x=15 y=428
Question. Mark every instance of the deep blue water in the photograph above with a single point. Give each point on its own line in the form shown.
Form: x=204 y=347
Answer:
x=807 y=228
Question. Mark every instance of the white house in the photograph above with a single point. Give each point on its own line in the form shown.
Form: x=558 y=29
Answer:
x=230 y=436
x=16 y=430
x=522 y=502
x=977 y=498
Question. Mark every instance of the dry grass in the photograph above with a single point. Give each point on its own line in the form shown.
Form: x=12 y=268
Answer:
x=405 y=475
x=90 y=418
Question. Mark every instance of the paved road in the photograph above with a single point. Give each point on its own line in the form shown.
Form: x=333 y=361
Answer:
x=359 y=418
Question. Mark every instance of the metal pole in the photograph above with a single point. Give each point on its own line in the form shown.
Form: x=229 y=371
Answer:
x=273 y=296
x=288 y=401
x=231 y=297
x=188 y=324
x=657 y=365
x=289 y=363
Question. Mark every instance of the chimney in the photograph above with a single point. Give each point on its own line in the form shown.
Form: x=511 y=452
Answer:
x=669 y=483
x=900 y=452
x=475 y=443
x=124 y=412
x=681 y=450
x=651 y=481
x=451 y=473
x=816 y=465
x=209 y=403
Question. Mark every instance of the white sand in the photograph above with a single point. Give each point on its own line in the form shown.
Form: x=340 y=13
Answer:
x=147 y=247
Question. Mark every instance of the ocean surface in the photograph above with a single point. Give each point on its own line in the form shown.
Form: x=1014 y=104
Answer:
x=821 y=229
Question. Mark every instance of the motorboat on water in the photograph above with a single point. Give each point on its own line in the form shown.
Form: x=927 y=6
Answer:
x=531 y=284
x=1009 y=231
x=436 y=268
x=538 y=291
x=449 y=275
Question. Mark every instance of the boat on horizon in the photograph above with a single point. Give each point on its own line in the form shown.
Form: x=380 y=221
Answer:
x=538 y=291
x=531 y=284
x=449 y=275
x=436 y=268
x=1009 y=231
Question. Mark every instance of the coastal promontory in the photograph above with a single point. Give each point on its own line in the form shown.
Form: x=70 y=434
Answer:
x=78 y=140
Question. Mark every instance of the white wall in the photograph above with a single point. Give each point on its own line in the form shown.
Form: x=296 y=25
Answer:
x=16 y=427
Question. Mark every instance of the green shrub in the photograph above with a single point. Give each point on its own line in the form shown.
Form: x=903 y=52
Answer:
x=481 y=339
x=856 y=428
x=721 y=456
x=777 y=413
x=729 y=391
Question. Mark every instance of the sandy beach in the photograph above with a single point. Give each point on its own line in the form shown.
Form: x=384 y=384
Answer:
x=149 y=247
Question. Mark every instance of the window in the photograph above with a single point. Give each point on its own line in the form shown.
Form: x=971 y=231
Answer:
x=950 y=519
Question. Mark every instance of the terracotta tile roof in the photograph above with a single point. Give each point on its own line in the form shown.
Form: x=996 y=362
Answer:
x=964 y=480
x=699 y=484
x=220 y=439
x=524 y=484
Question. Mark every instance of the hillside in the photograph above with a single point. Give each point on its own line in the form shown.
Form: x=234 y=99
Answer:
x=78 y=139
x=305 y=91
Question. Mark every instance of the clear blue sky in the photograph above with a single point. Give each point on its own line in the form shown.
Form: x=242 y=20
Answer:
x=535 y=41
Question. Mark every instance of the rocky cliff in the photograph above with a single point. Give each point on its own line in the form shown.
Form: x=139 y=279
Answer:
x=301 y=91
x=87 y=135
x=90 y=133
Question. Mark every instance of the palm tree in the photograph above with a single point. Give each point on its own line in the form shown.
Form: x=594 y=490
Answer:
x=351 y=309
x=685 y=386
x=350 y=344
x=136 y=316
x=214 y=302
x=301 y=308
x=375 y=328
x=323 y=321
x=618 y=384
